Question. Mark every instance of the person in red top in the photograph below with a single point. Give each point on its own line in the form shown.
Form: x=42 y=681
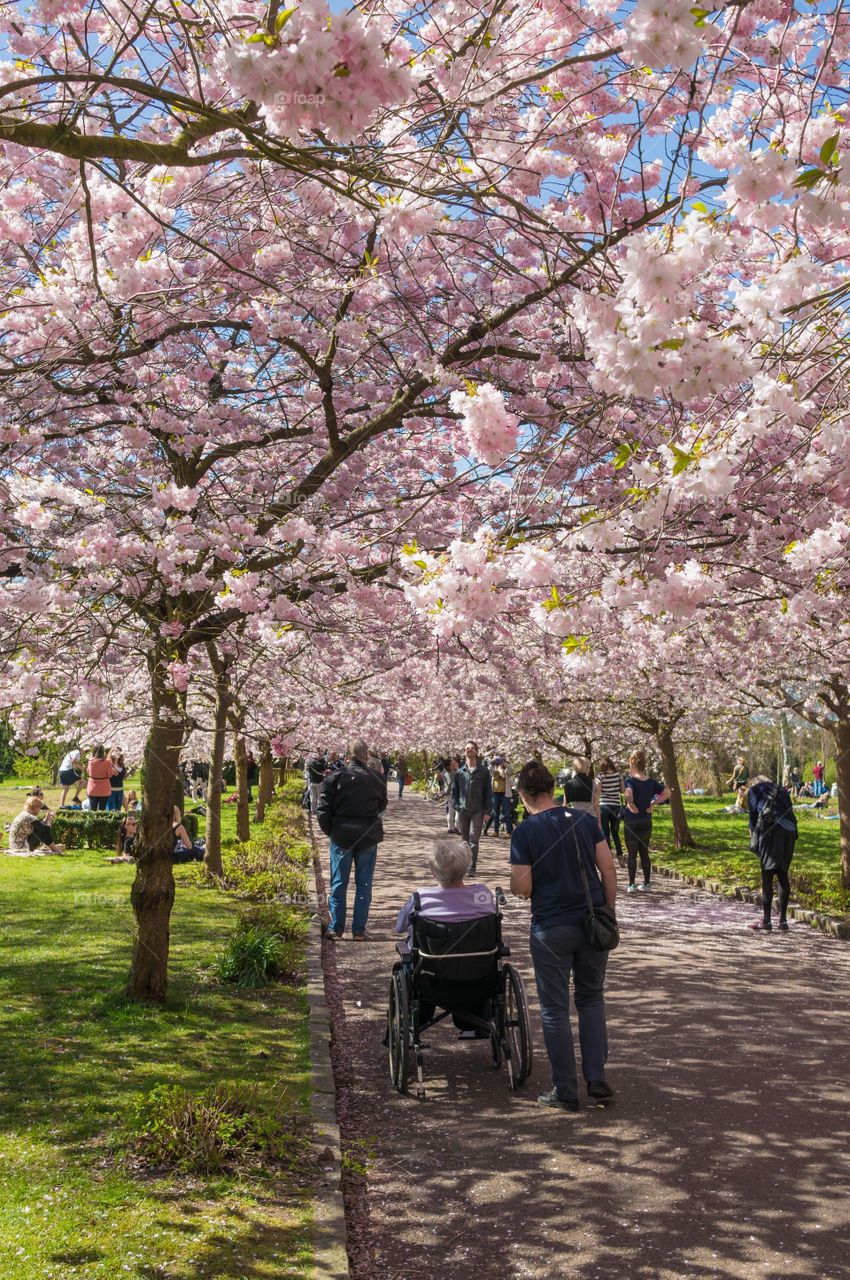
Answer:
x=100 y=771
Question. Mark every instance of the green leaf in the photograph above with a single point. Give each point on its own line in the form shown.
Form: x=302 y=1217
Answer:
x=808 y=178
x=623 y=454
x=341 y=71
x=828 y=150
x=682 y=459
x=410 y=548
x=283 y=17
x=672 y=344
x=421 y=564
x=700 y=15
x=699 y=206
x=783 y=607
x=575 y=643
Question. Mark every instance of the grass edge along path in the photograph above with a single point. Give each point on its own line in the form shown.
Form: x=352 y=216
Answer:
x=76 y=1060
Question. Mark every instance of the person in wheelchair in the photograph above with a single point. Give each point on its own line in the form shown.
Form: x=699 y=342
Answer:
x=450 y=900
x=453 y=963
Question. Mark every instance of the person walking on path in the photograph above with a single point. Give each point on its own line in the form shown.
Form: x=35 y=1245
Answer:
x=773 y=834
x=401 y=774
x=452 y=817
x=314 y=773
x=609 y=795
x=545 y=853
x=472 y=794
x=580 y=789
x=642 y=793
x=99 y=786
x=501 y=783
x=350 y=807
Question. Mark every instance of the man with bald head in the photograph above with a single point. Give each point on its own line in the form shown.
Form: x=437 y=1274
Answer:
x=349 y=812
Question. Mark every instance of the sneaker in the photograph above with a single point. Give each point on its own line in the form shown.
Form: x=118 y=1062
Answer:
x=783 y=926
x=600 y=1092
x=551 y=1099
x=762 y=926
x=632 y=888
x=646 y=887
x=332 y=935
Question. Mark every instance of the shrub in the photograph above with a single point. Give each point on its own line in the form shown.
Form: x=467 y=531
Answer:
x=83 y=829
x=262 y=947
x=207 y=1132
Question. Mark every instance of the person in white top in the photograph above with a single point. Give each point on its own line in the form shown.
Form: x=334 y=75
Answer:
x=71 y=774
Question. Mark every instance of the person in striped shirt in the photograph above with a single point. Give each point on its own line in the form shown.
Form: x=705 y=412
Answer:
x=609 y=790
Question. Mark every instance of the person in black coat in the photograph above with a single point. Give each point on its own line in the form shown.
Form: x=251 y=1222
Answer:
x=773 y=834
x=349 y=812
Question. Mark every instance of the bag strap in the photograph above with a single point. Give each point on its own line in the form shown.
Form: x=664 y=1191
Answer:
x=582 y=868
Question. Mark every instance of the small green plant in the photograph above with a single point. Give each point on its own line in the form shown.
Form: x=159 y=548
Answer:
x=263 y=946
x=218 y=1129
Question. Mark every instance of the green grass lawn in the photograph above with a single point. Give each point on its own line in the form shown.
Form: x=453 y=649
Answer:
x=76 y=1057
x=722 y=853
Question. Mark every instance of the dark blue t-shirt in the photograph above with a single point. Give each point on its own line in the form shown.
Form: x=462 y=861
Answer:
x=547 y=843
x=644 y=791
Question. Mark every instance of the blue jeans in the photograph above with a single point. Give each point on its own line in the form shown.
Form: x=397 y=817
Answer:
x=115 y=801
x=501 y=808
x=400 y=785
x=557 y=951
x=364 y=871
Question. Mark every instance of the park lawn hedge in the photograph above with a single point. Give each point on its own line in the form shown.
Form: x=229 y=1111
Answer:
x=99 y=829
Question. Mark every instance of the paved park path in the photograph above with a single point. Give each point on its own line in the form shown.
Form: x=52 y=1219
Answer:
x=726 y=1156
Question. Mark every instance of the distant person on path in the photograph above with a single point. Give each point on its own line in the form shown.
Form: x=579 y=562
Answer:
x=116 y=798
x=251 y=773
x=773 y=834
x=609 y=794
x=99 y=787
x=472 y=794
x=642 y=793
x=452 y=816
x=739 y=776
x=401 y=774
x=580 y=789
x=501 y=780
x=314 y=773
x=545 y=849
x=71 y=774
x=30 y=831
x=818 y=786
x=350 y=807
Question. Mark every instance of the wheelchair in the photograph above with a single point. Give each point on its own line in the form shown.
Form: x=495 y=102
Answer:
x=457 y=968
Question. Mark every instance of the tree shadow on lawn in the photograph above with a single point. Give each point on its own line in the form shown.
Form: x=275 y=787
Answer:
x=75 y=1052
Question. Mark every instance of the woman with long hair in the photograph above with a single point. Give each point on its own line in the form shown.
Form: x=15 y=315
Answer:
x=609 y=794
x=642 y=793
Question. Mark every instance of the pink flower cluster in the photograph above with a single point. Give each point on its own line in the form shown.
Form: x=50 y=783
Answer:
x=490 y=429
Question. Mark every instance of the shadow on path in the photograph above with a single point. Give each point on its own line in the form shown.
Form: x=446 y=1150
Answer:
x=727 y=1156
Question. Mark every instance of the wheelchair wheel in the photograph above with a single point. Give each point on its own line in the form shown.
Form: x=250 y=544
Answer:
x=398 y=1031
x=517 y=1028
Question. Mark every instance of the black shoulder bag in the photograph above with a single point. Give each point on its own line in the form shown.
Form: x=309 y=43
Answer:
x=601 y=930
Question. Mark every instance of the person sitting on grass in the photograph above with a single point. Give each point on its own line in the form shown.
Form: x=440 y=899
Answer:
x=185 y=849
x=740 y=805
x=29 y=833
x=126 y=844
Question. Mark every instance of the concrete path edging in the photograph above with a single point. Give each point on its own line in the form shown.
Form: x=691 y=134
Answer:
x=833 y=925
x=330 y=1252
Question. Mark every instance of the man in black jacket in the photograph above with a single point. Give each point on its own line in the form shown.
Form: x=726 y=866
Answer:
x=472 y=796
x=350 y=806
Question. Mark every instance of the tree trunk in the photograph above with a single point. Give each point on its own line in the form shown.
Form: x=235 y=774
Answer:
x=841 y=733
x=243 y=817
x=212 y=856
x=152 y=894
x=681 y=832
x=265 y=786
x=787 y=752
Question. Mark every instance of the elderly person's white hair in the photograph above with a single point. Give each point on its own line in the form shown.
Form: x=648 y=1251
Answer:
x=450 y=860
x=358 y=750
